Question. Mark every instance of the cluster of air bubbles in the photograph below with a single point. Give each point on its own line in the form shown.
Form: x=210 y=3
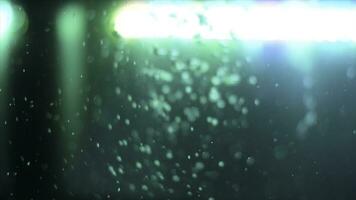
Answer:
x=172 y=116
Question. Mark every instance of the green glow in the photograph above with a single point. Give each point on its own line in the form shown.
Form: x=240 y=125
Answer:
x=9 y=32
x=13 y=20
x=292 y=21
x=71 y=23
x=5 y=22
x=13 y=23
x=6 y=18
x=71 y=35
x=300 y=56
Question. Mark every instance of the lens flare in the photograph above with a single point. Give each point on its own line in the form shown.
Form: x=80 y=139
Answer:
x=6 y=18
x=299 y=22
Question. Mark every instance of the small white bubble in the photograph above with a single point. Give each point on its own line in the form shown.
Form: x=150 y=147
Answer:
x=257 y=102
x=244 y=110
x=157 y=163
x=138 y=165
x=221 y=164
x=250 y=161
x=252 y=80
x=109 y=127
x=112 y=171
x=169 y=155
x=175 y=178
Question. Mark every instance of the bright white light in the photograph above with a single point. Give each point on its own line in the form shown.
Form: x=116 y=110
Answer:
x=6 y=17
x=256 y=22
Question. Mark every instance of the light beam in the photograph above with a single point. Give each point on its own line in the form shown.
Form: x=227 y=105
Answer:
x=300 y=22
x=71 y=24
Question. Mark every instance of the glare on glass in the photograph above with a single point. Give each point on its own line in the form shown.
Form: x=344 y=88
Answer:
x=259 y=22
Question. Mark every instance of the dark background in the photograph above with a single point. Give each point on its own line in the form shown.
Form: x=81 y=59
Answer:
x=321 y=166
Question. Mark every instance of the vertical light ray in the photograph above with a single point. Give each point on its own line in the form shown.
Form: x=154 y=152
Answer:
x=6 y=16
x=6 y=21
x=300 y=56
x=71 y=32
x=13 y=22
